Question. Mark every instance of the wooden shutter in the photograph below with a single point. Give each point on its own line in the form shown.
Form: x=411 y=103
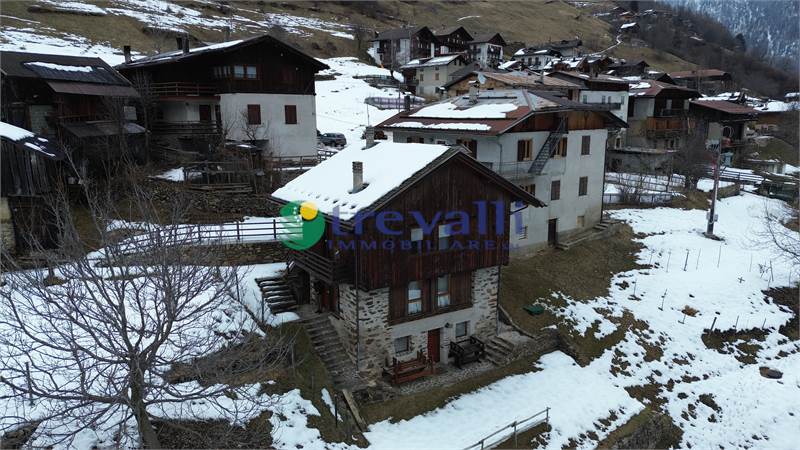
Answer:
x=398 y=298
x=586 y=143
x=461 y=288
x=521 y=150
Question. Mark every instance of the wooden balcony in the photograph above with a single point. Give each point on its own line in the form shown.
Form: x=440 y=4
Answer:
x=183 y=89
x=657 y=127
x=320 y=266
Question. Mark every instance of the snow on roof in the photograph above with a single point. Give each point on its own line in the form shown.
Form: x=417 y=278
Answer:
x=777 y=106
x=28 y=139
x=443 y=126
x=508 y=64
x=431 y=62
x=450 y=110
x=641 y=85
x=62 y=67
x=627 y=25
x=386 y=166
x=172 y=54
x=520 y=52
x=541 y=52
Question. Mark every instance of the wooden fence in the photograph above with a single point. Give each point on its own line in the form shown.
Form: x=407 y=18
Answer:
x=517 y=427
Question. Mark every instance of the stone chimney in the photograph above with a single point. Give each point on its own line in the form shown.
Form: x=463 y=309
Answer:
x=126 y=51
x=370 y=132
x=185 y=45
x=227 y=34
x=473 y=92
x=179 y=41
x=407 y=103
x=358 y=176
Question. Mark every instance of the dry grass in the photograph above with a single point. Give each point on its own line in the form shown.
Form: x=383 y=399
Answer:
x=662 y=61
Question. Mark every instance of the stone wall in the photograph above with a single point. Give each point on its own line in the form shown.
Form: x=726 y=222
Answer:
x=248 y=254
x=214 y=203
x=484 y=300
x=376 y=338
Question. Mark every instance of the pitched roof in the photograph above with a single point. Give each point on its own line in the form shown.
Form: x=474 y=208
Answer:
x=512 y=79
x=597 y=82
x=59 y=67
x=486 y=37
x=432 y=62
x=652 y=88
x=494 y=112
x=222 y=47
x=398 y=33
x=701 y=73
x=388 y=169
x=726 y=107
x=450 y=30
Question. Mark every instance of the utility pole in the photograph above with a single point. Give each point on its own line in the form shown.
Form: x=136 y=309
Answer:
x=714 y=146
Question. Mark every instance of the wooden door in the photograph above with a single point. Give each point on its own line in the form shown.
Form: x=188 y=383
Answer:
x=552 y=231
x=205 y=113
x=433 y=344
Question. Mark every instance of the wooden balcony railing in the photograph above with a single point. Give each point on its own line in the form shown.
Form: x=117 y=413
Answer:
x=664 y=126
x=181 y=89
x=320 y=266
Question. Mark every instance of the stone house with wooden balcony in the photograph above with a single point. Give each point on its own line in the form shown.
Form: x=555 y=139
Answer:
x=409 y=261
x=547 y=144
x=258 y=90
x=396 y=47
x=724 y=122
x=78 y=102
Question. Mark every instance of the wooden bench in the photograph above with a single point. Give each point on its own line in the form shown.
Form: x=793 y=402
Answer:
x=405 y=371
x=467 y=351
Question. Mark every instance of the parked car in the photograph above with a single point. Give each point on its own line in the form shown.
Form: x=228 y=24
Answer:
x=333 y=139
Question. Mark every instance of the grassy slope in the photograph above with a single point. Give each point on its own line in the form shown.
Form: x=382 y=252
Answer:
x=528 y=22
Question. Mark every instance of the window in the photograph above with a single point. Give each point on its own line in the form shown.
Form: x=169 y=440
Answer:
x=402 y=345
x=555 y=190
x=416 y=239
x=584 y=100
x=524 y=150
x=462 y=328
x=244 y=72
x=603 y=99
x=414 y=298
x=444 y=237
x=586 y=144
x=254 y=114
x=238 y=72
x=251 y=73
x=583 y=186
x=618 y=142
x=561 y=149
x=523 y=232
x=443 y=291
x=421 y=79
x=290 y=111
x=436 y=75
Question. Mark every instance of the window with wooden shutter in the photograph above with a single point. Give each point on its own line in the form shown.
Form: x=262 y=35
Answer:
x=586 y=144
x=397 y=302
x=555 y=190
x=290 y=111
x=561 y=148
x=583 y=186
x=254 y=114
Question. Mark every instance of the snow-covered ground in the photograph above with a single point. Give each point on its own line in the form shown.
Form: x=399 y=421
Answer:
x=340 y=102
x=719 y=282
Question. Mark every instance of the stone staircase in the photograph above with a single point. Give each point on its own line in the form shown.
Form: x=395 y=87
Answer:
x=277 y=294
x=326 y=343
x=601 y=229
x=499 y=351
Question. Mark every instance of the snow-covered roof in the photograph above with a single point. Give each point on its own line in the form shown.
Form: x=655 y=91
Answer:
x=386 y=166
x=30 y=141
x=508 y=64
x=443 y=126
x=454 y=111
x=431 y=62
x=627 y=25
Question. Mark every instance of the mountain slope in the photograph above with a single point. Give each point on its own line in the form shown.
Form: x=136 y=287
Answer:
x=771 y=25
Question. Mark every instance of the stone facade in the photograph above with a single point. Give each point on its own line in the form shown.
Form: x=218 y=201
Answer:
x=377 y=335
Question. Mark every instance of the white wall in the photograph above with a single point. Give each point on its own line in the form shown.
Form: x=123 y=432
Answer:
x=610 y=97
x=285 y=139
x=501 y=152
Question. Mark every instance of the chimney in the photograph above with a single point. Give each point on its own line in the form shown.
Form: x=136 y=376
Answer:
x=473 y=92
x=370 y=132
x=407 y=103
x=179 y=41
x=186 y=45
x=227 y=34
x=126 y=50
x=541 y=76
x=358 y=176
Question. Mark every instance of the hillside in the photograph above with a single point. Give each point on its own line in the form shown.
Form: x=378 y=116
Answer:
x=324 y=29
x=768 y=26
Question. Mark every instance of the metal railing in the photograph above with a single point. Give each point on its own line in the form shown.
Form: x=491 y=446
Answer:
x=187 y=127
x=393 y=102
x=271 y=230
x=512 y=170
x=518 y=426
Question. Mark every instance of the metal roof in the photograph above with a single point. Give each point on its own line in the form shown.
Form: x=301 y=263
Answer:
x=103 y=90
x=60 y=67
x=726 y=107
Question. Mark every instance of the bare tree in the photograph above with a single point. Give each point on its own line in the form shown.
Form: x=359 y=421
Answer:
x=251 y=131
x=780 y=229
x=110 y=340
x=692 y=158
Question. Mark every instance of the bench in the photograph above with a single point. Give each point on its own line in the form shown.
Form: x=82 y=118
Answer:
x=405 y=371
x=467 y=351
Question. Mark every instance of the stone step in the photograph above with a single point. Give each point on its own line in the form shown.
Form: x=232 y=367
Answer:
x=504 y=343
x=322 y=336
x=316 y=320
x=333 y=355
x=497 y=347
x=267 y=279
x=278 y=298
x=281 y=290
x=273 y=305
x=283 y=309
